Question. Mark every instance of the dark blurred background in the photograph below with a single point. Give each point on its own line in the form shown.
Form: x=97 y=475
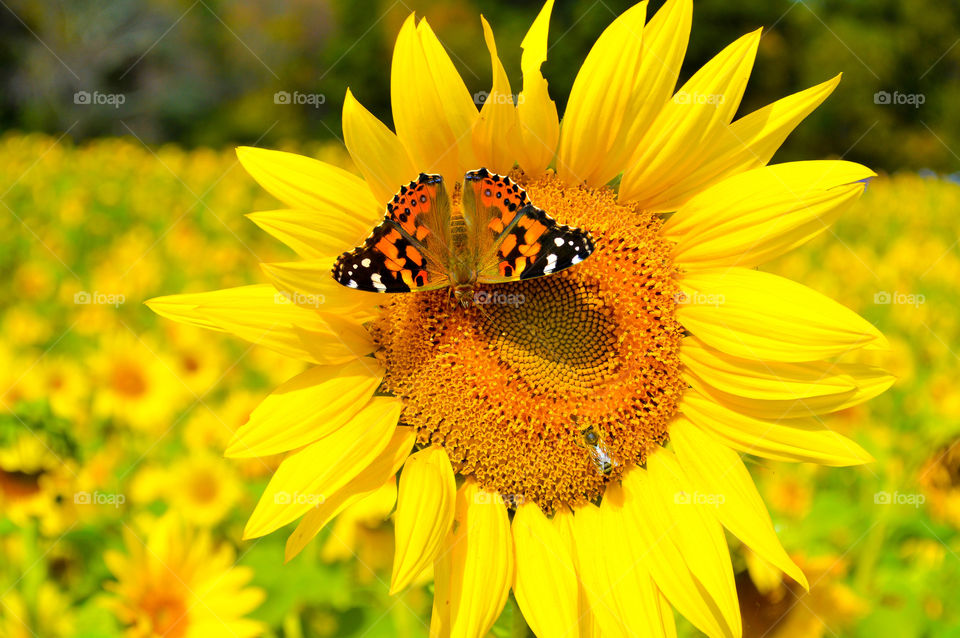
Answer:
x=206 y=72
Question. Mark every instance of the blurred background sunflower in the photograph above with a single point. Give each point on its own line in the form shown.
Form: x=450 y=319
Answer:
x=119 y=183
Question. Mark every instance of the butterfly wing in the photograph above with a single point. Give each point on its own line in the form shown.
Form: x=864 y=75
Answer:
x=408 y=250
x=512 y=239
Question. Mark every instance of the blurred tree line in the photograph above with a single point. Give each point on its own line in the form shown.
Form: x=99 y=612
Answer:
x=213 y=72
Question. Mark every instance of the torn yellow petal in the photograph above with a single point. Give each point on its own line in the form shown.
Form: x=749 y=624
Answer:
x=262 y=316
x=425 y=506
x=696 y=115
x=746 y=144
x=474 y=572
x=664 y=44
x=538 y=120
x=776 y=389
x=759 y=315
x=308 y=407
x=313 y=234
x=546 y=586
x=368 y=481
x=376 y=150
x=311 y=475
x=805 y=440
x=718 y=473
x=601 y=94
x=303 y=182
x=496 y=133
x=757 y=215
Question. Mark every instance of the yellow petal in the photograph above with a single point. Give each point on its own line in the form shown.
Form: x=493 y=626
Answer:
x=311 y=284
x=775 y=389
x=805 y=440
x=601 y=94
x=473 y=574
x=312 y=234
x=302 y=182
x=748 y=143
x=664 y=44
x=720 y=476
x=308 y=477
x=757 y=215
x=539 y=123
x=376 y=150
x=458 y=104
x=496 y=133
x=431 y=105
x=425 y=506
x=563 y=522
x=697 y=534
x=308 y=407
x=367 y=482
x=656 y=528
x=628 y=586
x=263 y=316
x=759 y=315
x=546 y=586
x=695 y=116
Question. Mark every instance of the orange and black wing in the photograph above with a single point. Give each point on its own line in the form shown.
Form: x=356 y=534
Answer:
x=408 y=250
x=513 y=239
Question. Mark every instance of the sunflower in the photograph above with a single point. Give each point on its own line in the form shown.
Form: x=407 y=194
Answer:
x=667 y=343
x=176 y=582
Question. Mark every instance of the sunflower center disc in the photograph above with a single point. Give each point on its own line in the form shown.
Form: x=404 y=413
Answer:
x=509 y=385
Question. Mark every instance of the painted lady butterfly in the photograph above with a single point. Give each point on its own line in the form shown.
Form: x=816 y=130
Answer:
x=423 y=244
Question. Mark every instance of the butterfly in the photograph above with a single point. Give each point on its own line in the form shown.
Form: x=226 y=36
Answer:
x=424 y=244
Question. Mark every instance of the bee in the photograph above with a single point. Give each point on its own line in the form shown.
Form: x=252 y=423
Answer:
x=599 y=452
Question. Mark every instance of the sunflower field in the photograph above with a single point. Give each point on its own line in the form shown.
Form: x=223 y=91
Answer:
x=115 y=421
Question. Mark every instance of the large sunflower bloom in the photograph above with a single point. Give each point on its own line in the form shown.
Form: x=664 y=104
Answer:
x=666 y=341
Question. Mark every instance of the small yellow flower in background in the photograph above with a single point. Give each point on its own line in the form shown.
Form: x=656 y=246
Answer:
x=201 y=487
x=174 y=581
x=138 y=385
x=666 y=341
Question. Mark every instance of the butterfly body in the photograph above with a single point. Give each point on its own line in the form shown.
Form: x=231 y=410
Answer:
x=496 y=236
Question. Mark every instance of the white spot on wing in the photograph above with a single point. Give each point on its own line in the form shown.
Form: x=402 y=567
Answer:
x=576 y=259
x=558 y=241
x=365 y=263
x=551 y=264
x=352 y=284
x=377 y=282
